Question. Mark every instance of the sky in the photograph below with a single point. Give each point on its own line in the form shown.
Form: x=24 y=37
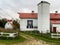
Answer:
x=9 y=8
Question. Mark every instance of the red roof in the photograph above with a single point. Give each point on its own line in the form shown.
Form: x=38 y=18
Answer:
x=54 y=18
x=28 y=15
x=9 y=20
x=55 y=21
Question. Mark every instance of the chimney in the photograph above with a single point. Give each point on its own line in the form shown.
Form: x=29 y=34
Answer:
x=32 y=12
x=56 y=12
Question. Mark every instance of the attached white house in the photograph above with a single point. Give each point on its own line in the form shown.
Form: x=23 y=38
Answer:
x=42 y=21
x=9 y=25
x=28 y=21
x=55 y=21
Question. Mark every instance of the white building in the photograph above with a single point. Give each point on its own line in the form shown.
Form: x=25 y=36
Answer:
x=9 y=25
x=55 y=21
x=44 y=16
x=28 y=21
x=42 y=21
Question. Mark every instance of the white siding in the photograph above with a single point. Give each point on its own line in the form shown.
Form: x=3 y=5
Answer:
x=23 y=25
x=8 y=25
x=57 y=27
x=43 y=17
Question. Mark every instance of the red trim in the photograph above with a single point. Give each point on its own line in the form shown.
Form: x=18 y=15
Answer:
x=54 y=18
x=28 y=15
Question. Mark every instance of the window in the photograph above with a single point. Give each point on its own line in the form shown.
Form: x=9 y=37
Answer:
x=29 y=23
x=35 y=27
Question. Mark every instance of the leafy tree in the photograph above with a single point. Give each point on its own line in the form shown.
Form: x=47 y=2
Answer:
x=3 y=22
x=16 y=24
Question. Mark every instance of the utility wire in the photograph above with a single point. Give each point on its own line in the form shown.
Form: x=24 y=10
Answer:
x=5 y=13
x=2 y=14
x=13 y=8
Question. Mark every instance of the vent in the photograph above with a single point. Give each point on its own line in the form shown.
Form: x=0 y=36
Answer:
x=56 y=12
x=32 y=12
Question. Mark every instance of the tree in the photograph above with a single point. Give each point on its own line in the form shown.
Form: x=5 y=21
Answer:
x=16 y=24
x=3 y=22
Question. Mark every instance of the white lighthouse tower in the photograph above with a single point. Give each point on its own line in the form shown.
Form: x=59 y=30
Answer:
x=44 y=17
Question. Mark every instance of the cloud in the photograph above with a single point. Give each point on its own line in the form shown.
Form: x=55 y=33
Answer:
x=11 y=7
x=25 y=10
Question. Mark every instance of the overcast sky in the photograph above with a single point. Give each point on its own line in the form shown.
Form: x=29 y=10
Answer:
x=10 y=8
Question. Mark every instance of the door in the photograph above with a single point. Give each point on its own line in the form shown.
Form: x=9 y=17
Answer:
x=54 y=29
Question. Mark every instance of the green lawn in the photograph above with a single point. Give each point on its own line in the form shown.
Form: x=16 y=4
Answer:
x=11 y=40
x=35 y=34
x=45 y=37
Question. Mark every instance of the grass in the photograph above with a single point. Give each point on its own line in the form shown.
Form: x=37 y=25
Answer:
x=12 y=40
x=4 y=40
x=35 y=34
x=8 y=30
x=44 y=37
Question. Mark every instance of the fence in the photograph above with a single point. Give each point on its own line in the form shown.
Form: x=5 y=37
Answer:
x=4 y=34
x=55 y=35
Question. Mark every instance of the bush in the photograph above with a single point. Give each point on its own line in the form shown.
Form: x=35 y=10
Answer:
x=2 y=23
x=16 y=25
